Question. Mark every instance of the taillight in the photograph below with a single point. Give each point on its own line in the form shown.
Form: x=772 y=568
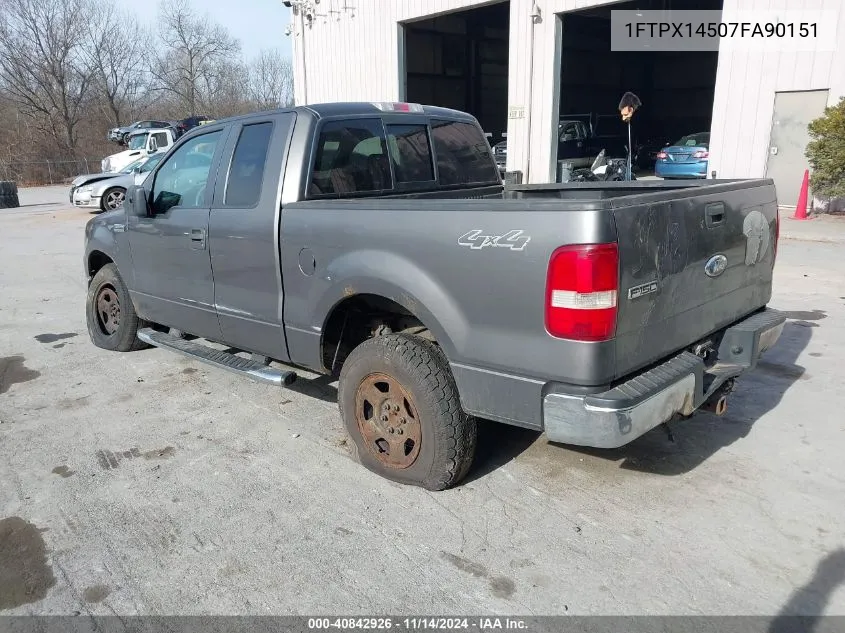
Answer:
x=399 y=107
x=701 y=154
x=662 y=155
x=581 y=292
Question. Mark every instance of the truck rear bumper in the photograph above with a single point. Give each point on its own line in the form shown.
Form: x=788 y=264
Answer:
x=678 y=386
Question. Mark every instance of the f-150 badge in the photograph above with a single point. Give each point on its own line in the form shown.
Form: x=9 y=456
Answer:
x=514 y=240
x=643 y=289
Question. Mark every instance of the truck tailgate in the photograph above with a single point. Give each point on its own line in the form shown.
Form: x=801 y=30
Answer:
x=691 y=262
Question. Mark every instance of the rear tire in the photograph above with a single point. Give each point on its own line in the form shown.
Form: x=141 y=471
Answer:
x=112 y=321
x=400 y=406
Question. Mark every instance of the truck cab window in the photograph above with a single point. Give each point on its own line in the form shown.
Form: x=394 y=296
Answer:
x=572 y=131
x=162 y=140
x=246 y=173
x=410 y=153
x=463 y=154
x=351 y=158
x=183 y=178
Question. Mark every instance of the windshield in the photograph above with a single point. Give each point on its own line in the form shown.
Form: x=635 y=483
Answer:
x=138 y=141
x=151 y=162
x=695 y=140
x=135 y=163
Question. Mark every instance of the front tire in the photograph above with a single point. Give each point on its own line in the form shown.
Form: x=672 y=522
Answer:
x=112 y=321
x=400 y=406
x=113 y=199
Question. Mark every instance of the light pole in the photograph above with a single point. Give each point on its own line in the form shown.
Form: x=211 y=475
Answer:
x=306 y=11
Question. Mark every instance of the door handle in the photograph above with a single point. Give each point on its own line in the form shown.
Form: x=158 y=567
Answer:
x=198 y=238
x=714 y=215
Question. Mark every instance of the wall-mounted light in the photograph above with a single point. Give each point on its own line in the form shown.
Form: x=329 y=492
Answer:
x=308 y=10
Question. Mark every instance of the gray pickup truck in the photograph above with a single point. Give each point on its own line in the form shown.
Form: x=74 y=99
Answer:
x=376 y=243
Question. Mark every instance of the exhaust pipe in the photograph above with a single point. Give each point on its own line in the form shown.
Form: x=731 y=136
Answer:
x=717 y=404
x=718 y=401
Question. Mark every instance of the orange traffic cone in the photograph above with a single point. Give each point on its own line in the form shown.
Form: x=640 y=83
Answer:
x=801 y=207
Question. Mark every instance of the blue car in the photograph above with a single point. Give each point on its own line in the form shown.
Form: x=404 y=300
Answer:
x=685 y=159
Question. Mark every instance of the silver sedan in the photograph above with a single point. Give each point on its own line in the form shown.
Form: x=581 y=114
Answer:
x=107 y=194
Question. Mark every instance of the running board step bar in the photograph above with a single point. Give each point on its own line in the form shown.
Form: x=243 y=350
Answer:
x=223 y=360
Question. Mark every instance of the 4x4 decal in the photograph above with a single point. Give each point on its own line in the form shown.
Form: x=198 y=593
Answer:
x=514 y=240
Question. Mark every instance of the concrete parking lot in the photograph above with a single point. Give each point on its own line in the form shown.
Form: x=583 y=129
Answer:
x=146 y=483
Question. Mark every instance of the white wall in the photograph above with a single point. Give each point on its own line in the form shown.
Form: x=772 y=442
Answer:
x=359 y=59
x=746 y=84
x=543 y=93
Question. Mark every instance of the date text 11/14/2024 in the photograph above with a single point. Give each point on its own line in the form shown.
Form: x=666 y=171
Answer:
x=417 y=624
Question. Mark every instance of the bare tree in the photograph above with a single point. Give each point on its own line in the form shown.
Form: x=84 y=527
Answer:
x=44 y=67
x=119 y=50
x=69 y=69
x=229 y=95
x=193 y=56
x=271 y=80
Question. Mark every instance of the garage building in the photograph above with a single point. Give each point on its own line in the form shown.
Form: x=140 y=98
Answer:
x=524 y=68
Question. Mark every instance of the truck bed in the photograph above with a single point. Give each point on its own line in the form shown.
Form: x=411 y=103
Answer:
x=612 y=190
x=444 y=275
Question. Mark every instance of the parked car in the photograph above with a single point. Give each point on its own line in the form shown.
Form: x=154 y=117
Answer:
x=573 y=140
x=609 y=133
x=582 y=136
x=121 y=134
x=140 y=144
x=107 y=192
x=686 y=158
x=323 y=237
x=646 y=151
x=190 y=123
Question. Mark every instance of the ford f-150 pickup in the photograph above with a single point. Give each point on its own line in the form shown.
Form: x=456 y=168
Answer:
x=375 y=243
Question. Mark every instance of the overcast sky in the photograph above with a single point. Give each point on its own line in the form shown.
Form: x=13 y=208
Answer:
x=256 y=23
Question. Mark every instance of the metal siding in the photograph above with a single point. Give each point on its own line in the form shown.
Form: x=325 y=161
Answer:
x=746 y=84
x=358 y=59
x=520 y=26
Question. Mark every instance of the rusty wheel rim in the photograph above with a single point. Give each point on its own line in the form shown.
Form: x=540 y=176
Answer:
x=108 y=309
x=388 y=421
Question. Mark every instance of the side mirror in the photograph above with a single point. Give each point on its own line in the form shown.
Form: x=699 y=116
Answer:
x=137 y=202
x=153 y=146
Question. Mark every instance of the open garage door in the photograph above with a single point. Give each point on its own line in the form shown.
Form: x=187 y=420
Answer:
x=676 y=88
x=460 y=60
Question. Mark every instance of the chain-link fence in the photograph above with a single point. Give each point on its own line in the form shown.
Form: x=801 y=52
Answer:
x=47 y=172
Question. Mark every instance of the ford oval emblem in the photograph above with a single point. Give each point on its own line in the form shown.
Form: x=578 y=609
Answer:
x=716 y=265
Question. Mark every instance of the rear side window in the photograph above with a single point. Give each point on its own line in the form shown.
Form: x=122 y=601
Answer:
x=463 y=155
x=243 y=187
x=351 y=158
x=410 y=152
x=161 y=139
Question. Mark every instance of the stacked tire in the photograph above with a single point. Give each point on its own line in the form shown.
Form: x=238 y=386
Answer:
x=9 y=195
